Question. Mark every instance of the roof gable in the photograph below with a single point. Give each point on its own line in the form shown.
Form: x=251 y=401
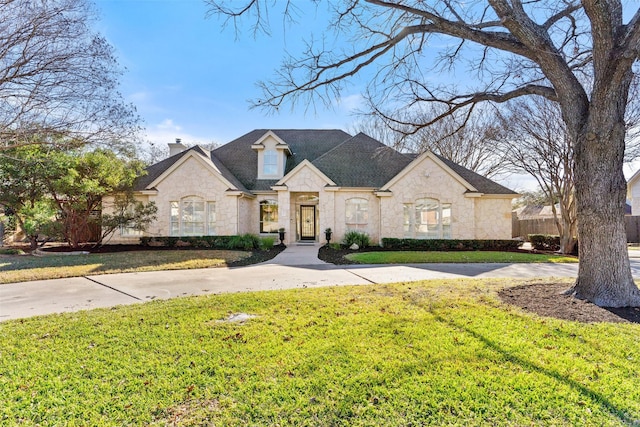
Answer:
x=304 y=144
x=155 y=170
x=305 y=164
x=199 y=155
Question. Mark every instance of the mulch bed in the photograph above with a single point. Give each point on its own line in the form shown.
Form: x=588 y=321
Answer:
x=548 y=299
x=255 y=258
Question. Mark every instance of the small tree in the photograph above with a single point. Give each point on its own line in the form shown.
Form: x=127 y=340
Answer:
x=77 y=183
x=128 y=212
x=38 y=222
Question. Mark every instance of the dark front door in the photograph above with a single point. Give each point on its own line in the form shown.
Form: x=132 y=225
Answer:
x=307 y=222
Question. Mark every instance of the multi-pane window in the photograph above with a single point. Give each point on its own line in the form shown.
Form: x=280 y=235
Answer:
x=427 y=219
x=357 y=214
x=270 y=163
x=192 y=216
x=269 y=216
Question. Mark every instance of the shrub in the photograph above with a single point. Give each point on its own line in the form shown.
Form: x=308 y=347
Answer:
x=544 y=242
x=449 y=244
x=266 y=243
x=11 y=252
x=360 y=239
x=245 y=242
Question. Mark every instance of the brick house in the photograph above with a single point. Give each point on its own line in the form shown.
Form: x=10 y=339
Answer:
x=308 y=180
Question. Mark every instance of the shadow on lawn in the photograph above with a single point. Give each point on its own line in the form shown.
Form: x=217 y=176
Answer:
x=595 y=397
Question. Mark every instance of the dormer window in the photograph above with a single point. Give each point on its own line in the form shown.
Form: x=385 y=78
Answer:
x=272 y=156
x=270 y=163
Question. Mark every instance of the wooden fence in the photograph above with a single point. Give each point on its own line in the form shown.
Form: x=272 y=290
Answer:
x=523 y=227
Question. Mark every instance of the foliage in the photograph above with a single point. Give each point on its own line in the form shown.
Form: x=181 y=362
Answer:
x=126 y=211
x=450 y=244
x=23 y=185
x=267 y=243
x=544 y=242
x=359 y=238
x=425 y=353
x=11 y=252
x=79 y=181
x=74 y=181
x=52 y=266
x=415 y=257
x=247 y=242
x=38 y=222
x=59 y=78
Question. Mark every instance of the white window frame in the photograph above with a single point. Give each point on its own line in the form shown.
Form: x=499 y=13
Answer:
x=356 y=214
x=427 y=218
x=274 y=204
x=202 y=221
x=270 y=163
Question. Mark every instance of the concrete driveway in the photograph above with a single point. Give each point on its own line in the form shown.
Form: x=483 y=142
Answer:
x=295 y=268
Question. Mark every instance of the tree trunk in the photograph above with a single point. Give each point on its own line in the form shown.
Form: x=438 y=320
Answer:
x=604 y=275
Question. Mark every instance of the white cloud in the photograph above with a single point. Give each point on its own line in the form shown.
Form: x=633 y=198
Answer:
x=167 y=131
x=350 y=103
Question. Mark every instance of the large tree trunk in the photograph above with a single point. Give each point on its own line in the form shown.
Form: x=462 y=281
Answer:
x=604 y=275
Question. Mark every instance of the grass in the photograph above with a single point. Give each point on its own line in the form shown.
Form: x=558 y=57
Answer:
x=26 y=267
x=415 y=257
x=424 y=353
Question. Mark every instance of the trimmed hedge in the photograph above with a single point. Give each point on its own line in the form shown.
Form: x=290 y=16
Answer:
x=544 y=242
x=245 y=242
x=450 y=244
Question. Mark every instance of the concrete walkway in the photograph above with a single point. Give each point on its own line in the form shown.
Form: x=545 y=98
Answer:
x=296 y=267
x=302 y=254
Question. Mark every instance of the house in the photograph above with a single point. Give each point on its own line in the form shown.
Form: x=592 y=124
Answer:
x=308 y=180
x=633 y=193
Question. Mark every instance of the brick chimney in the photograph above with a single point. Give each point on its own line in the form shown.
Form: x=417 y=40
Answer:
x=176 y=147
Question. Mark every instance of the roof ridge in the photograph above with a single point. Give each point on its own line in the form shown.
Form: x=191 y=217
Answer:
x=334 y=148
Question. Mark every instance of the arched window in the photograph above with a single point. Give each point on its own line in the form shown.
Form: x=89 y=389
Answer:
x=270 y=163
x=357 y=213
x=427 y=219
x=192 y=216
x=268 y=216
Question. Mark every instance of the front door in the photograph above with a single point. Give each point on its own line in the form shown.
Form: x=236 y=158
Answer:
x=307 y=222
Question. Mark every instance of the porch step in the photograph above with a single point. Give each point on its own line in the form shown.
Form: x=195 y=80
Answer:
x=307 y=244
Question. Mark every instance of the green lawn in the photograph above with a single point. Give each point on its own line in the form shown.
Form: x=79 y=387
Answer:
x=414 y=257
x=20 y=268
x=425 y=353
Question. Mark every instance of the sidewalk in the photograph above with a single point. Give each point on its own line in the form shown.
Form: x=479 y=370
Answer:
x=296 y=267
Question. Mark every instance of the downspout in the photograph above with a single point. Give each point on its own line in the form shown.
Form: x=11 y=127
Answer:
x=379 y=221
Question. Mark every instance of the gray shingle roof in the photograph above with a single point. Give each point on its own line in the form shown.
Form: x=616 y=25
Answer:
x=358 y=161
x=361 y=161
x=308 y=144
x=155 y=170
x=481 y=183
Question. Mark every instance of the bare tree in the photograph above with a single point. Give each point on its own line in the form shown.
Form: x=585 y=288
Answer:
x=536 y=142
x=467 y=141
x=512 y=49
x=57 y=77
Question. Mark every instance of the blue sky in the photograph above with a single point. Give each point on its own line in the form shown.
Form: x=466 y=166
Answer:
x=191 y=79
